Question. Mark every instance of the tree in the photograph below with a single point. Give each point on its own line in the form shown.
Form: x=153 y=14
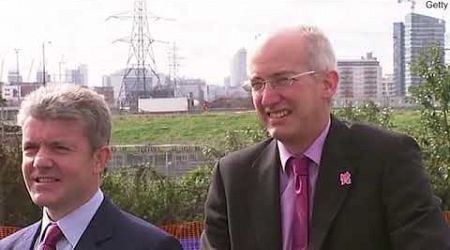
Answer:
x=369 y=112
x=157 y=198
x=16 y=207
x=433 y=134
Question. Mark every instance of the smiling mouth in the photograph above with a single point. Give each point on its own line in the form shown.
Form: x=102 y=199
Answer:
x=46 y=179
x=278 y=114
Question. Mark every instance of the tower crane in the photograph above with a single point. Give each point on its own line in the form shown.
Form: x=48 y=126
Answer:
x=31 y=69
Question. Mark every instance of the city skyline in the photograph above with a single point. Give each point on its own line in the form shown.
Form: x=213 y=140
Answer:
x=207 y=33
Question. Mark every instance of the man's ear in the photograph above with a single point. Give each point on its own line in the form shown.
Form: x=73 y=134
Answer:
x=102 y=156
x=330 y=83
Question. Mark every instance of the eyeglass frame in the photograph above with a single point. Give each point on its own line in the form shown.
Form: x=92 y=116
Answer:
x=274 y=84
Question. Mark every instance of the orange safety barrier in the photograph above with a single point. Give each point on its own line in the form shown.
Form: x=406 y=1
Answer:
x=185 y=230
x=180 y=231
x=5 y=231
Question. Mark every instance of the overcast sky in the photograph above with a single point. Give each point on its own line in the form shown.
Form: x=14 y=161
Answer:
x=206 y=32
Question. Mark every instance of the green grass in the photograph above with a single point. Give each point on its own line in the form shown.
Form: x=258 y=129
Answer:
x=203 y=129
x=402 y=119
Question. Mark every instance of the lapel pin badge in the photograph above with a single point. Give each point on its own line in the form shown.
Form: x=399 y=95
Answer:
x=346 y=178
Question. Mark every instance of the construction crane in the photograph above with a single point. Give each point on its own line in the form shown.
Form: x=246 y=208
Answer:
x=29 y=71
x=413 y=3
x=17 y=64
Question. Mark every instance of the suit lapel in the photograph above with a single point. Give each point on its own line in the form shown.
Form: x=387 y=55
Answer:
x=330 y=192
x=100 y=229
x=29 y=237
x=265 y=199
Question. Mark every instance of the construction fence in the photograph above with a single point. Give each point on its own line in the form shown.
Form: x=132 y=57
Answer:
x=169 y=160
x=187 y=233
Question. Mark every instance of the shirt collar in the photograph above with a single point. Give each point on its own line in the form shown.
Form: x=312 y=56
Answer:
x=74 y=224
x=313 y=152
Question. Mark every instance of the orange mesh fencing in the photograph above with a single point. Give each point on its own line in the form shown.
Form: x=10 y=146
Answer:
x=5 y=231
x=185 y=230
x=188 y=233
x=180 y=231
x=447 y=216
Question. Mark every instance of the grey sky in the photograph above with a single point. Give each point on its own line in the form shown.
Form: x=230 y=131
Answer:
x=207 y=32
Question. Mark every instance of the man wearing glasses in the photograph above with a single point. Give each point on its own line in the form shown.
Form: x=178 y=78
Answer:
x=317 y=183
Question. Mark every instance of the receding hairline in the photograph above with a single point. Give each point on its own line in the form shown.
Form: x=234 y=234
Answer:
x=284 y=35
x=311 y=37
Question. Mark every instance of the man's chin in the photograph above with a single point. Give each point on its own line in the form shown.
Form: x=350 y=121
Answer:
x=42 y=201
x=278 y=134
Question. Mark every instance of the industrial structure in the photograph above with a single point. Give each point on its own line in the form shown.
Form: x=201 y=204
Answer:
x=140 y=75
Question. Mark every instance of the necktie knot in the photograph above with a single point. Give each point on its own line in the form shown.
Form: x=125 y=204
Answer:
x=54 y=234
x=300 y=165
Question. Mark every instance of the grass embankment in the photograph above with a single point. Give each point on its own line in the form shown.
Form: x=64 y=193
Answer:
x=202 y=129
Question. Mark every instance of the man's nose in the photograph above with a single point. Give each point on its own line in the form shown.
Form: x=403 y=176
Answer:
x=42 y=159
x=269 y=95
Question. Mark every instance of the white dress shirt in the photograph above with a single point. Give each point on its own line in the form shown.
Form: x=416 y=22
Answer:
x=72 y=225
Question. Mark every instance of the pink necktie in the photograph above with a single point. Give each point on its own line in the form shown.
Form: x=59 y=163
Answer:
x=54 y=234
x=301 y=216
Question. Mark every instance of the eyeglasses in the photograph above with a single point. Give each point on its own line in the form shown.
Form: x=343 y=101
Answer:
x=257 y=85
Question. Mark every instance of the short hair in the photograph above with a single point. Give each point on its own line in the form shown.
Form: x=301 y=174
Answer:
x=70 y=102
x=321 y=55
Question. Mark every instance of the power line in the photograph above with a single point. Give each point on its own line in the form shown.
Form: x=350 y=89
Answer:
x=141 y=64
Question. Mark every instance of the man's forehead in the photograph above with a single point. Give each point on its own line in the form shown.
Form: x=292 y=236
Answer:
x=279 y=45
x=33 y=126
x=277 y=59
x=54 y=121
x=283 y=38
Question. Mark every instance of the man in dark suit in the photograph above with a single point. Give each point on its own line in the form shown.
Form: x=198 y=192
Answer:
x=317 y=183
x=65 y=142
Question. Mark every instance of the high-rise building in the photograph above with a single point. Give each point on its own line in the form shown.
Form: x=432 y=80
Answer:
x=78 y=76
x=360 y=79
x=238 y=69
x=421 y=32
x=399 y=59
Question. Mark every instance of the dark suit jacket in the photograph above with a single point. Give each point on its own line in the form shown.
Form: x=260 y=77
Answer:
x=109 y=229
x=388 y=205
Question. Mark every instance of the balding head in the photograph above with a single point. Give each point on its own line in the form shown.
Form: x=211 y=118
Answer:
x=308 y=43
